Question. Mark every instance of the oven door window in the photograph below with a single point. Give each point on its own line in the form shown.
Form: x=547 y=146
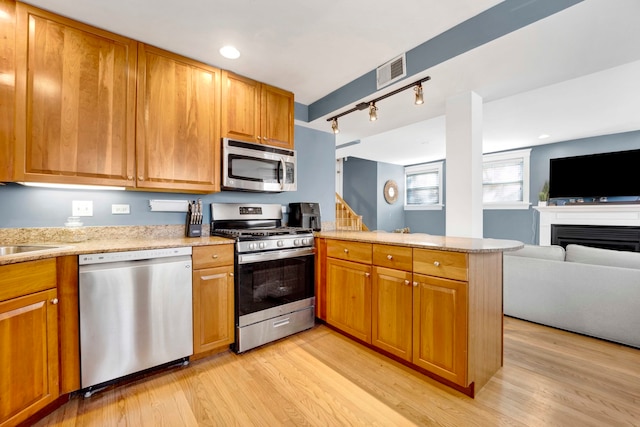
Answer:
x=268 y=171
x=266 y=284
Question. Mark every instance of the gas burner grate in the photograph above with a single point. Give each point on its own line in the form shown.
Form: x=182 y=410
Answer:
x=281 y=231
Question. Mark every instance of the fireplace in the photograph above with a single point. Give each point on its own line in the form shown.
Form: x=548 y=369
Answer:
x=616 y=216
x=620 y=238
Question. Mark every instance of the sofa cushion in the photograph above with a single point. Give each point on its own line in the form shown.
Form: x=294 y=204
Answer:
x=598 y=256
x=553 y=252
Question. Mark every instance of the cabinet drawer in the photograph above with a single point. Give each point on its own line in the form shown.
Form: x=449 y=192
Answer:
x=350 y=251
x=212 y=256
x=396 y=257
x=450 y=265
x=26 y=278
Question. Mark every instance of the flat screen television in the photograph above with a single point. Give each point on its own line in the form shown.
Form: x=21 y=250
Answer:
x=595 y=176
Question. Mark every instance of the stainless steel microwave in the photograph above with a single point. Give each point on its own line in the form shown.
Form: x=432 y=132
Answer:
x=247 y=166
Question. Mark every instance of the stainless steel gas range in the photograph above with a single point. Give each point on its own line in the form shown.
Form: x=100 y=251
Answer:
x=274 y=272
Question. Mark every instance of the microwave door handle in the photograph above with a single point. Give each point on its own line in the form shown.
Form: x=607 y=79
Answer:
x=284 y=173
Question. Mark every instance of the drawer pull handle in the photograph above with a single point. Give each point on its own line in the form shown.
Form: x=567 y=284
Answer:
x=54 y=301
x=214 y=256
x=389 y=257
x=407 y=282
x=346 y=251
x=282 y=322
x=436 y=263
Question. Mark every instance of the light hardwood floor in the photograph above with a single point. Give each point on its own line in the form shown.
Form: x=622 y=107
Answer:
x=320 y=378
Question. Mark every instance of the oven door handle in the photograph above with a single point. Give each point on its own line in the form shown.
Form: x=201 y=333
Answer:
x=275 y=255
x=284 y=173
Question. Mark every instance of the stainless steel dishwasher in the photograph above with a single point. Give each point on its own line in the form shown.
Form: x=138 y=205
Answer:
x=135 y=312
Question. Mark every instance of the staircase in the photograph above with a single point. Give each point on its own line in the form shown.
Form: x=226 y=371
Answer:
x=346 y=218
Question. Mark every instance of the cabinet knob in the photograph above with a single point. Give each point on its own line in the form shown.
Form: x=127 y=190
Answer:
x=389 y=257
x=407 y=282
x=130 y=177
x=140 y=178
x=415 y=284
x=436 y=263
x=214 y=256
x=230 y=274
x=54 y=301
x=346 y=251
x=367 y=274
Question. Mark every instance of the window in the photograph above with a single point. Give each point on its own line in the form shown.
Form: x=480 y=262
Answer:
x=505 y=180
x=423 y=186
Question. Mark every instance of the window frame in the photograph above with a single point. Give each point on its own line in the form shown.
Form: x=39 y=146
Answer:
x=525 y=155
x=424 y=168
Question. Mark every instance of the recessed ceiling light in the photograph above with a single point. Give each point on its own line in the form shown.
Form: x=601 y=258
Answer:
x=230 y=52
x=544 y=136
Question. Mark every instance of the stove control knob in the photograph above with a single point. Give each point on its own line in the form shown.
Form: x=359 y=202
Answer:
x=306 y=241
x=252 y=246
x=280 y=243
x=263 y=245
x=296 y=242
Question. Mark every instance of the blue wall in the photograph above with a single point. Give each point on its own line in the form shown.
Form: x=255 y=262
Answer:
x=38 y=207
x=359 y=190
x=519 y=225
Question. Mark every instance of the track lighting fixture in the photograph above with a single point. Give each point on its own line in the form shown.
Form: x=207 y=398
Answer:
x=373 y=112
x=419 y=98
x=371 y=105
x=334 y=125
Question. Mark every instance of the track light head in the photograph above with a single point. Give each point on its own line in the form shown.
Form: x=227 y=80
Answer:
x=373 y=112
x=419 y=98
x=334 y=125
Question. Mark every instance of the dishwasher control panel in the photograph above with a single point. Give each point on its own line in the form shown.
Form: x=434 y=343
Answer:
x=105 y=257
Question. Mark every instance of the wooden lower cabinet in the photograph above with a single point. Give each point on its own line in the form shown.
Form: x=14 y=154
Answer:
x=348 y=297
x=440 y=327
x=392 y=302
x=439 y=311
x=213 y=300
x=29 y=377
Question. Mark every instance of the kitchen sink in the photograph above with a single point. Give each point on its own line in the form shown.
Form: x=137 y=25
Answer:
x=19 y=249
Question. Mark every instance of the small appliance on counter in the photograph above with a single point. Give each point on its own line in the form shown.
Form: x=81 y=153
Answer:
x=305 y=214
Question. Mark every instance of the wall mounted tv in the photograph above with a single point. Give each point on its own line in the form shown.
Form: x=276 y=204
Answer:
x=595 y=176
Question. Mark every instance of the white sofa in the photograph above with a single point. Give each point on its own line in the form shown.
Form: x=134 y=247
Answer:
x=586 y=290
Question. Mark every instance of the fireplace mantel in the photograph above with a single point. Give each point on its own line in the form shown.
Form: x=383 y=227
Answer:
x=598 y=214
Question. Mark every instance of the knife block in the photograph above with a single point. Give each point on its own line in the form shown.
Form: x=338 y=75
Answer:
x=192 y=230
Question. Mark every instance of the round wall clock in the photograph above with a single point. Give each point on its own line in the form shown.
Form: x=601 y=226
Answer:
x=390 y=191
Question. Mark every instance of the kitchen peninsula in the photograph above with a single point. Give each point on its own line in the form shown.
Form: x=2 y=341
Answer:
x=433 y=303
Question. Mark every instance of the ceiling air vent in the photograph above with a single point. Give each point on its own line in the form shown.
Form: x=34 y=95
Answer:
x=391 y=71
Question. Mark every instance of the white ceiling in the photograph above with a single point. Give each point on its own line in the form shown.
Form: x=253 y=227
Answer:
x=571 y=75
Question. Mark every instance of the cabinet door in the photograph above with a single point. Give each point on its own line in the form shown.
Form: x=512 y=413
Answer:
x=276 y=117
x=213 y=325
x=7 y=88
x=240 y=107
x=75 y=102
x=440 y=327
x=392 y=311
x=28 y=355
x=177 y=136
x=349 y=297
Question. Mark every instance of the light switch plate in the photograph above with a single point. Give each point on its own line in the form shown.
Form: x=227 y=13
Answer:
x=120 y=209
x=82 y=208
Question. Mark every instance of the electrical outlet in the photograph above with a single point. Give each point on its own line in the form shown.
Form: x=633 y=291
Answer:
x=120 y=209
x=82 y=208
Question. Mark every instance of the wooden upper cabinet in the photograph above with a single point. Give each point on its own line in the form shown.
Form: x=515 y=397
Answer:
x=256 y=112
x=178 y=125
x=7 y=87
x=75 y=102
x=276 y=116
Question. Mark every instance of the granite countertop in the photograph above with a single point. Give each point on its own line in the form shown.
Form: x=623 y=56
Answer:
x=425 y=241
x=99 y=239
